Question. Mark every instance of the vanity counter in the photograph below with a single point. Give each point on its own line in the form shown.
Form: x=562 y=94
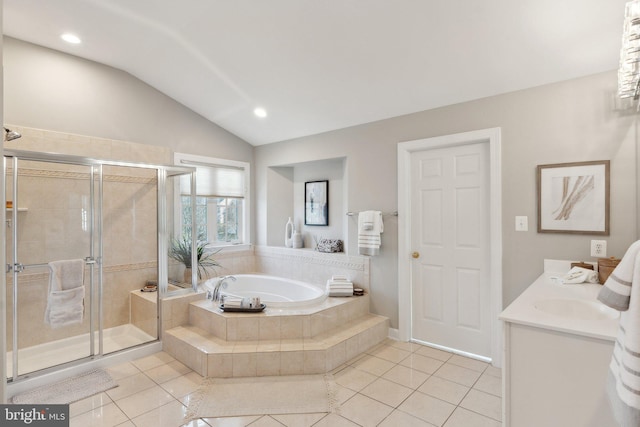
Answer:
x=558 y=341
x=541 y=306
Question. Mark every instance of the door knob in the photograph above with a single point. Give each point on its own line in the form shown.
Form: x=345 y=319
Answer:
x=415 y=255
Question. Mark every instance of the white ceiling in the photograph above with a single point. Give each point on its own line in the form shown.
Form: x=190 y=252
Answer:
x=317 y=65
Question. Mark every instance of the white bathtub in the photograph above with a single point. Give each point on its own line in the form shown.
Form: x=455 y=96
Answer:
x=273 y=291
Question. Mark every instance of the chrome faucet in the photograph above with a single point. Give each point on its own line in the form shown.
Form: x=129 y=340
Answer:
x=215 y=295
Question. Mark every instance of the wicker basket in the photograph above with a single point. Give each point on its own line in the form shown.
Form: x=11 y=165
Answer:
x=606 y=267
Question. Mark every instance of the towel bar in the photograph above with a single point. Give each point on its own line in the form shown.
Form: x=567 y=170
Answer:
x=383 y=214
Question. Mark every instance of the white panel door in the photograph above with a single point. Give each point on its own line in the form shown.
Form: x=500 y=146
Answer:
x=450 y=233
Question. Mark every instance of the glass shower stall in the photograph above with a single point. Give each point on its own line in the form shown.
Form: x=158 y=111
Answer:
x=87 y=240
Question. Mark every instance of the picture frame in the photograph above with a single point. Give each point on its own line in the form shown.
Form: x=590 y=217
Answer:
x=573 y=198
x=316 y=202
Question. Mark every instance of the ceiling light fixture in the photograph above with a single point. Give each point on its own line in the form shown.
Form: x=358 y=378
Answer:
x=629 y=71
x=260 y=112
x=71 y=38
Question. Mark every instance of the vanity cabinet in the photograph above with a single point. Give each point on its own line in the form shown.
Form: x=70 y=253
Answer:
x=556 y=362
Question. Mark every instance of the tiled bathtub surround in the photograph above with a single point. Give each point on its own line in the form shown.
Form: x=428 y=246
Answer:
x=310 y=266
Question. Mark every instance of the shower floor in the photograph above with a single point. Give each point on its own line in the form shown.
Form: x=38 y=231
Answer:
x=42 y=356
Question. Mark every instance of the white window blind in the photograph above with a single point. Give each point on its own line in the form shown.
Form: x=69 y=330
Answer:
x=215 y=181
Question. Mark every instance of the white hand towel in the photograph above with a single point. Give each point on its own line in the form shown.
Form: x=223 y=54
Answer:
x=366 y=220
x=621 y=291
x=369 y=240
x=65 y=304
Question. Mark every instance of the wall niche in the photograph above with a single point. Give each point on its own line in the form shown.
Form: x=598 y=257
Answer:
x=285 y=198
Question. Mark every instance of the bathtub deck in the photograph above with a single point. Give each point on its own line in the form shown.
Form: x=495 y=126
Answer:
x=275 y=342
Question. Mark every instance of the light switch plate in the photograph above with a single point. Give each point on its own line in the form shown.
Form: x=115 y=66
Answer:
x=522 y=223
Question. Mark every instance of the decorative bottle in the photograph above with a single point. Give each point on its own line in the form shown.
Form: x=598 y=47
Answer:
x=298 y=242
x=288 y=234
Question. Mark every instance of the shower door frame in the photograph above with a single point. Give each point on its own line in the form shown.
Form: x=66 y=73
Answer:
x=162 y=172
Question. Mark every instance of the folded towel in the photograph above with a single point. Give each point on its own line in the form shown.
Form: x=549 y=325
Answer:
x=233 y=302
x=366 y=220
x=621 y=291
x=339 y=277
x=65 y=303
x=369 y=240
x=340 y=288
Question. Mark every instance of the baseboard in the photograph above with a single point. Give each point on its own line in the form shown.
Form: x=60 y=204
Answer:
x=394 y=333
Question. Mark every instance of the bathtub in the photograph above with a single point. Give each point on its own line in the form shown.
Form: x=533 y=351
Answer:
x=273 y=291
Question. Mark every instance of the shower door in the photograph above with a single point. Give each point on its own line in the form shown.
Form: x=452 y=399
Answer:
x=54 y=217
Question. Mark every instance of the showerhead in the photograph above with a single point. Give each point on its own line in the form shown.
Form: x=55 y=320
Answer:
x=10 y=135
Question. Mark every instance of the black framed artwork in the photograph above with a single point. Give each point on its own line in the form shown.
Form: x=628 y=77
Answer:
x=316 y=202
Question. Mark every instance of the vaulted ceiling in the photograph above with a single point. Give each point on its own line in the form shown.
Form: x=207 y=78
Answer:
x=316 y=66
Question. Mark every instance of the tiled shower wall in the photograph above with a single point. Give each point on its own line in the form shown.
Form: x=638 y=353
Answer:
x=55 y=226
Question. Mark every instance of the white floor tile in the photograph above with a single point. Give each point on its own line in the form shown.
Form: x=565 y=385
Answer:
x=422 y=363
x=434 y=353
x=402 y=419
x=144 y=401
x=299 y=420
x=489 y=384
x=333 y=420
x=427 y=408
x=465 y=362
x=458 y=374
x=104 y=416
x=365 y=411
x=387 y=392
x=464 y=418
x=354 y=379
x=169 y=415
x=483 y=403
x=231 y=421
x=444 y=389
x=407 y=377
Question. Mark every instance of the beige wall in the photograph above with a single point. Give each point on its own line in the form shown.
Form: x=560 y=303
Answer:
x=565 y=122
x=50 y=90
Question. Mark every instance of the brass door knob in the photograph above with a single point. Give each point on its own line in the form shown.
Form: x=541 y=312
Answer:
x=415 y=255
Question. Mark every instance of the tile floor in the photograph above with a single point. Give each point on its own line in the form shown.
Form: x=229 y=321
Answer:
x=393 y=384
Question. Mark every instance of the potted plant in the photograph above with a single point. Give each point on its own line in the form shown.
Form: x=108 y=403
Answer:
x=180 y=250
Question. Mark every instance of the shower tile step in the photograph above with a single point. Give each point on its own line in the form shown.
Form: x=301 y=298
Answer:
x=211 y=356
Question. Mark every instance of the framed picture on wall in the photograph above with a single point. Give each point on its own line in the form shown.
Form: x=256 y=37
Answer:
x=574 y=198
x=316 y=203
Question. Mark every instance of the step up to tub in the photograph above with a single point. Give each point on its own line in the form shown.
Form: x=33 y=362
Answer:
x=212 y=356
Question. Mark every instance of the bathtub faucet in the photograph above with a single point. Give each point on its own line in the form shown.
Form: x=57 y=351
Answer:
x=215 y=295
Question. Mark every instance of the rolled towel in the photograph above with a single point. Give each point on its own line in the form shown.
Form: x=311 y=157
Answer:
x=233 y=302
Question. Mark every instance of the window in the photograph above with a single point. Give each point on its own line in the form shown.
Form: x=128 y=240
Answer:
x=221 y=200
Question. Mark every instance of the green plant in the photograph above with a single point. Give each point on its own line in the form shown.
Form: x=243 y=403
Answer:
x=180 y=250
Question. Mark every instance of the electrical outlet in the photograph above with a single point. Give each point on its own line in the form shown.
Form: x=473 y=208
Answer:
x=599 y=248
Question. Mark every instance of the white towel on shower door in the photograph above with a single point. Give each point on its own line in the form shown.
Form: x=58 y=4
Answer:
x=65 y=303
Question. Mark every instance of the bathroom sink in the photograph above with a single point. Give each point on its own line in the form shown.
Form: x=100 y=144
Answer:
x=577 y=309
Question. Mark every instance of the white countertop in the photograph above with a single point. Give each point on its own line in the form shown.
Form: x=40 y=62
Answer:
x=547 y=287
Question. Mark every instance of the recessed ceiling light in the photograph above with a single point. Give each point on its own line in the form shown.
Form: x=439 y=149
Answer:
x=71 y=38
x=260 y=112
